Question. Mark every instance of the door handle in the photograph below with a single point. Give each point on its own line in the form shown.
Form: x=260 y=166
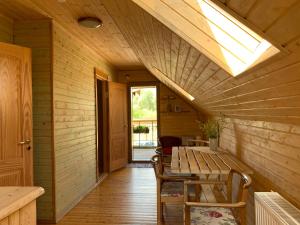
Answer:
x=26 y=142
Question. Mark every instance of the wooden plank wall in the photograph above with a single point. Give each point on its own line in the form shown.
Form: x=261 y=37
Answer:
x=74 y=118
x=6 y=29
x=269 y=93
x=36 y=34
x=272 y=150
x=177 y=123
x=171 y=123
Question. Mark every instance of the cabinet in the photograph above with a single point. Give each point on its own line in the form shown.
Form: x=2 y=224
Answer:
x=18 y=205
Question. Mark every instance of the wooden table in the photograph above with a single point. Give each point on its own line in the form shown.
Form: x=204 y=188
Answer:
x=202 y=161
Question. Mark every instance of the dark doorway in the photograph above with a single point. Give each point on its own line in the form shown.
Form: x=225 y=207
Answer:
x=100 y=127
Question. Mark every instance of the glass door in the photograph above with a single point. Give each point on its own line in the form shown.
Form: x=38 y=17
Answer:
x=143 y=122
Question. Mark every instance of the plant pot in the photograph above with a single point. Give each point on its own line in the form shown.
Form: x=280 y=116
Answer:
x=213 y=144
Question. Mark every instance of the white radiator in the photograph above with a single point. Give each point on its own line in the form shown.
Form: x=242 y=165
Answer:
x=272 y=209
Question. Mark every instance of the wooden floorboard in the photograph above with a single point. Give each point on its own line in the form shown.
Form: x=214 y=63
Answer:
x=127 y=196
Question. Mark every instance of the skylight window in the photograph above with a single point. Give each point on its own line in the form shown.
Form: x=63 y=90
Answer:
x=241 y=47
x=208 y=27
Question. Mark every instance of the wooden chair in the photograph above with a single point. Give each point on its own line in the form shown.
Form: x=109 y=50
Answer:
x=165 y=146
x=232 y=211
x=170 y=189
x=165 y=150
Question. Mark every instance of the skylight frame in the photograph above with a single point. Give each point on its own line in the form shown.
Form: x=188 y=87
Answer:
x=264 y=49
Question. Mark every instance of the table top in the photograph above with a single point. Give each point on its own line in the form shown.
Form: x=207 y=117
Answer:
x=201 y=160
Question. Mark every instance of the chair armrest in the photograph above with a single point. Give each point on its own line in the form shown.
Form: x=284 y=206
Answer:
x=222 y=205
x=158 y=150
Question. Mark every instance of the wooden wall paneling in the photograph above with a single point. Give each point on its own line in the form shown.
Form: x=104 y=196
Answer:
x=210 y=82
x=36 y=34
x=74 y=117
x=175 y=44
x=191 y=61
x=271 y=149
x=160 y=46
x=201 y=64
x=149 y=27
x=167 y=37
x=183 y=52
x=6 y=29
x=209 y=71
x=241 y=7
x=20 y=10
x=266 y=72
x=263 y=18
x=138 y=44
x=217 y=78
x=286 y=28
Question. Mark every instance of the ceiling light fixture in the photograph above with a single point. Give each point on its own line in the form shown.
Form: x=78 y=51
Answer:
x=90 y=22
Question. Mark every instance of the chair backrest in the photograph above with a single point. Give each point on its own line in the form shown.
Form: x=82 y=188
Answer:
x=157 y=165
x=237 y=186
x=169 y=141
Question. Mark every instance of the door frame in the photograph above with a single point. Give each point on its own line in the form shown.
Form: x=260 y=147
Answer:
x=103 y=77
x=141 y=84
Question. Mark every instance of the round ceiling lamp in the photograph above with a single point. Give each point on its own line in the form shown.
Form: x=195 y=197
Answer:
x=90 y=22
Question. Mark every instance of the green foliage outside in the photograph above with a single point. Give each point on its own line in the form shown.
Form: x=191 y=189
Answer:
x=141 y=129
x=144 y=104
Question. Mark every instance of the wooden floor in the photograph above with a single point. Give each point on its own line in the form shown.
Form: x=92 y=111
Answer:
x=127 y=196
x=142 y=154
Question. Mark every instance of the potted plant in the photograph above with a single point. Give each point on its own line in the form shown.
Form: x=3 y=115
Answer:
x=212 y=128
x=141 y=129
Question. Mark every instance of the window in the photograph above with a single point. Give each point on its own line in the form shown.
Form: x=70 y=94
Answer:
x=240 y=47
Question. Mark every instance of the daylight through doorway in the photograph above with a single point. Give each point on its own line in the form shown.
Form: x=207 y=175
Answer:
x=143 y=122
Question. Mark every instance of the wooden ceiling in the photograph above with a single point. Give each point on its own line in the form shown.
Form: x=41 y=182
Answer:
x=271 y=92
x=131 y=38
x=107 y=41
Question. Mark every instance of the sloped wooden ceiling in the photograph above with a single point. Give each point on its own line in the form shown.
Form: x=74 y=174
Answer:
x=270 y=93
x=108 y=41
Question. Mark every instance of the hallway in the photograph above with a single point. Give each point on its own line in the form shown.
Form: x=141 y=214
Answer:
x=127 y=196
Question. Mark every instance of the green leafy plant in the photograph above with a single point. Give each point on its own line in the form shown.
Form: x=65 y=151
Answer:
x=141 y=129
x=211 y=128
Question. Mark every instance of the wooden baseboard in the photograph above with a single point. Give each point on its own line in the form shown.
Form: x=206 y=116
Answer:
x=60 y=215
